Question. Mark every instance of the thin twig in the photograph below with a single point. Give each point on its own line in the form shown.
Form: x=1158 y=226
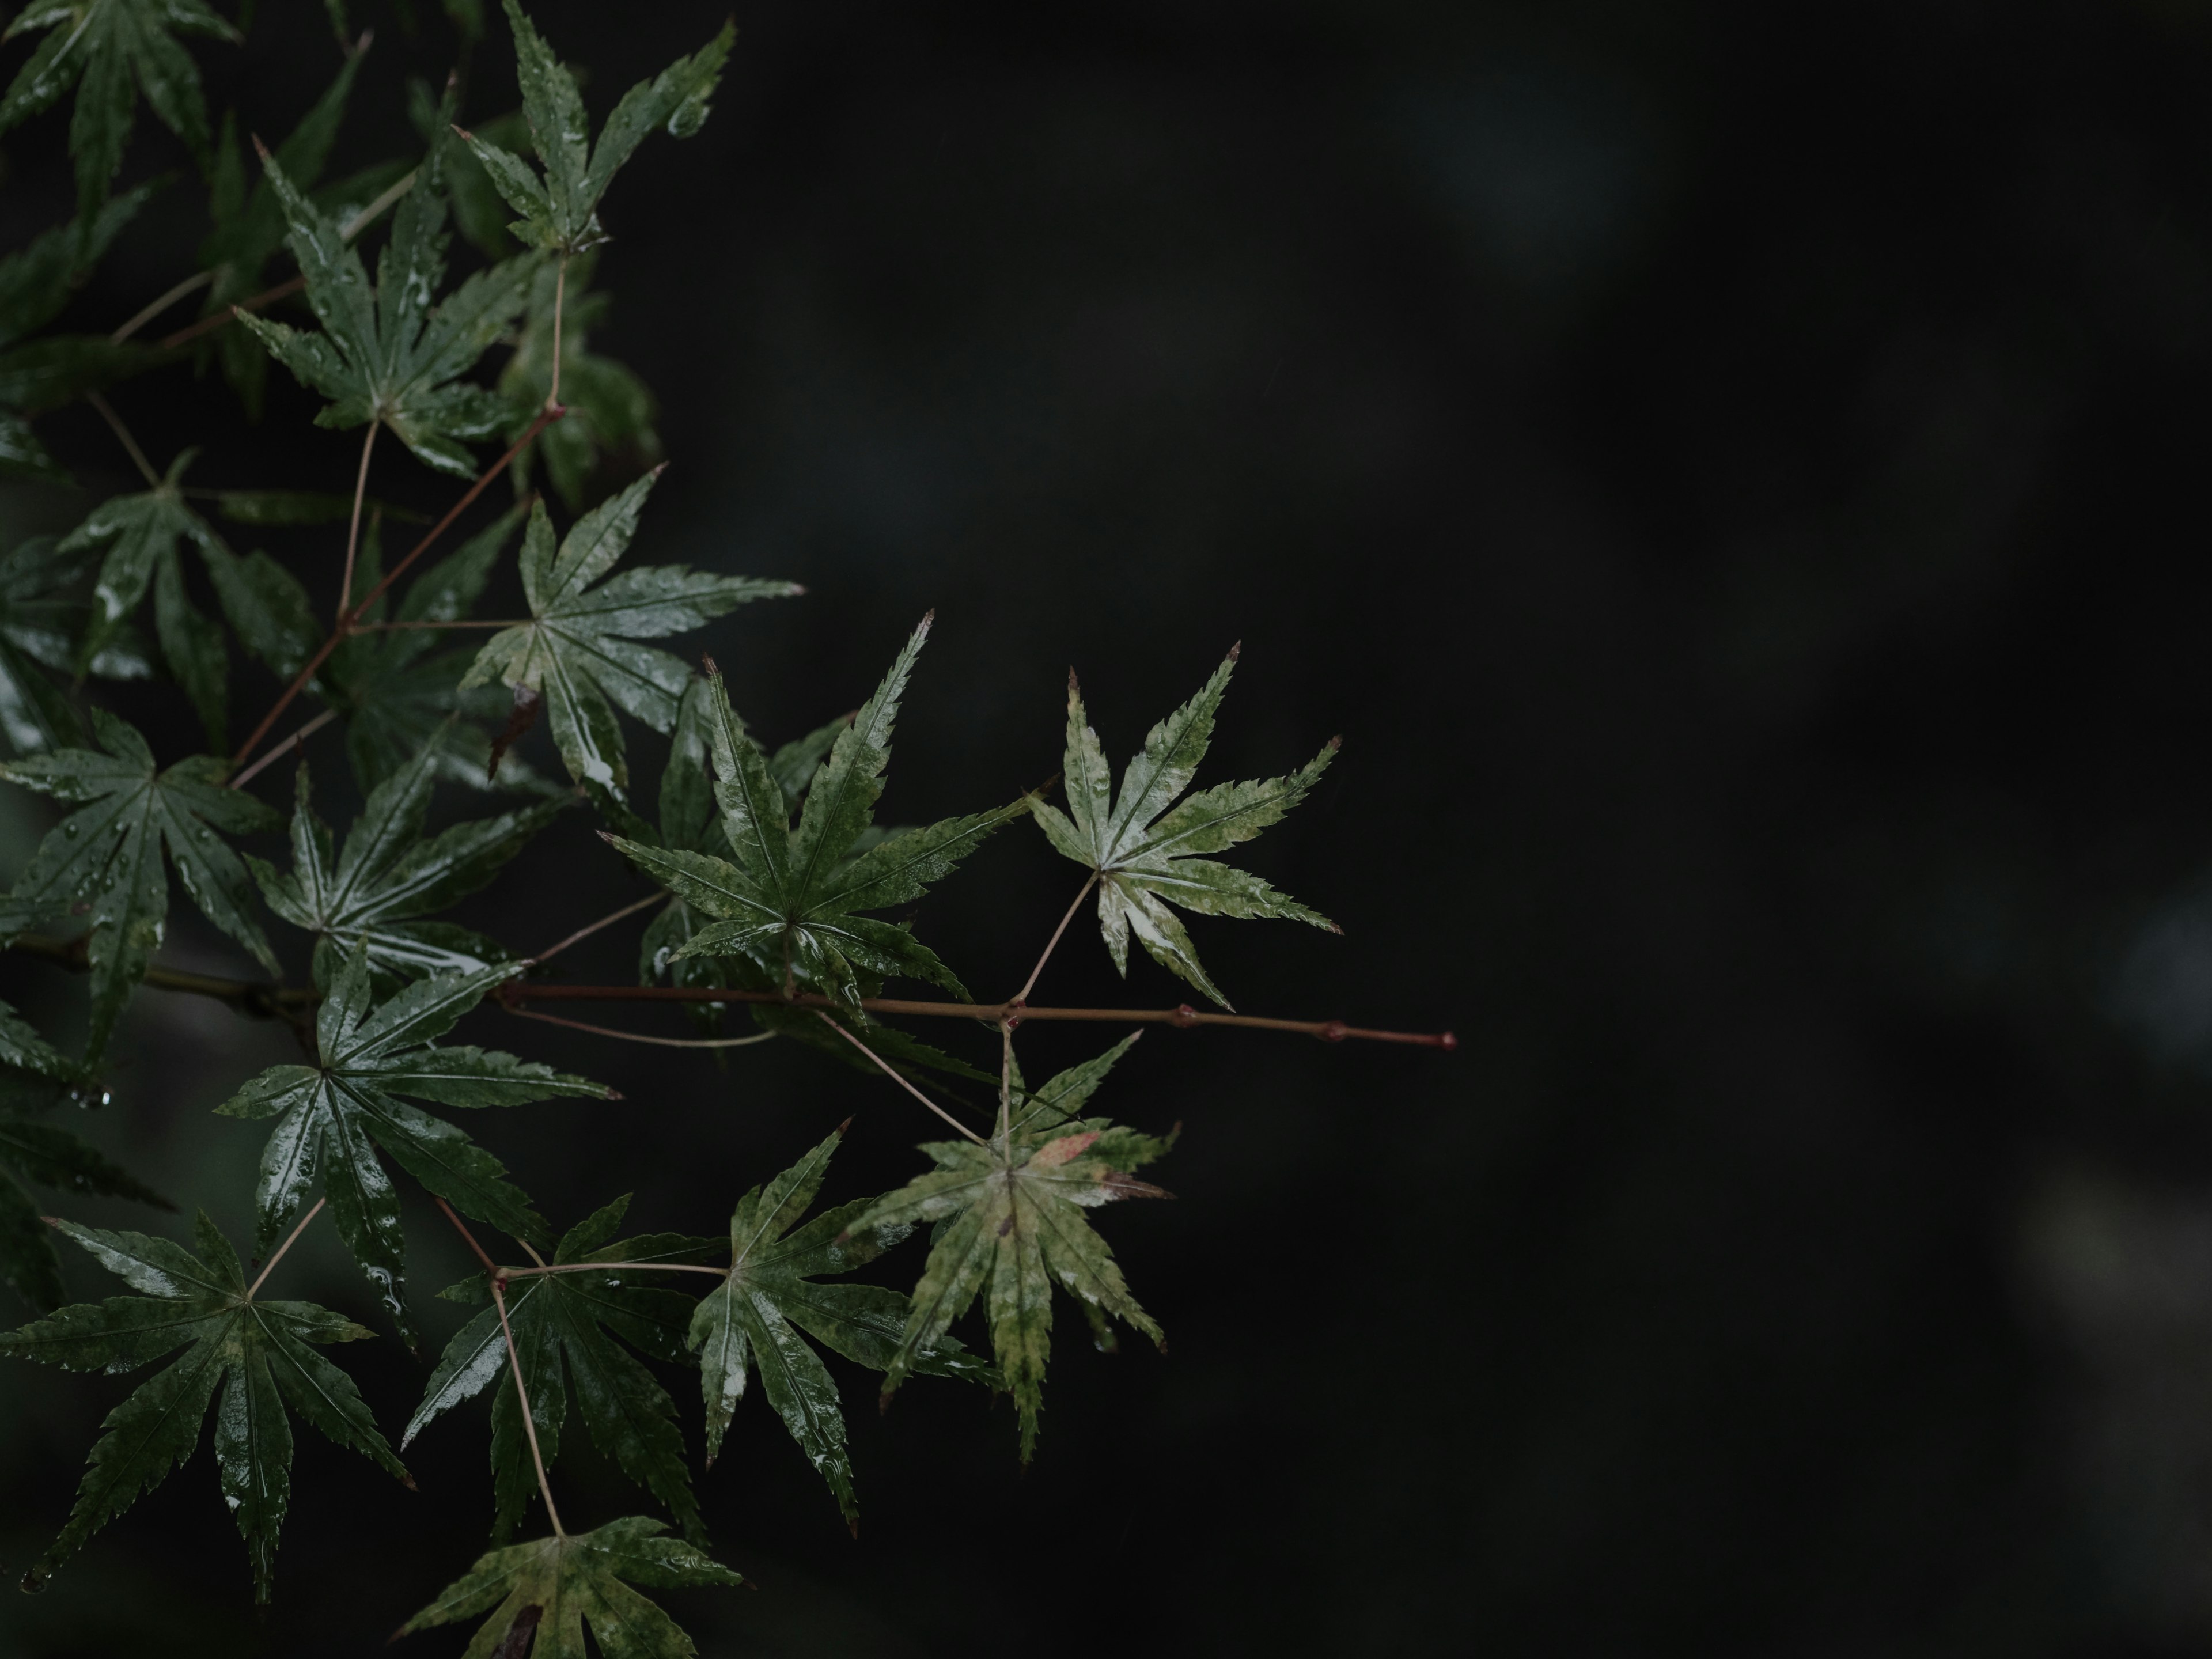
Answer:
x=269 y=296
x=609 y=1266
x=353 y=530
x=289 y=1239
x=1183 y=1017
x=522 y=1394
x=306 y=731
x=582 y=933
x=248 y=996
x=640 y=1036
x=902 y=1082
x=115 y=424
x=154 y=308
x=300 y=681
x=1029 y=984
x=458 y=622
x=1006 y=1078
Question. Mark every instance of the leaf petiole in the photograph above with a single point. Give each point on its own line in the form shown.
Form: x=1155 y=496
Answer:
x=902 y=1082
x=290 y=1239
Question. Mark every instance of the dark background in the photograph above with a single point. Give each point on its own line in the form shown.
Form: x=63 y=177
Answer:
x=1734 y=477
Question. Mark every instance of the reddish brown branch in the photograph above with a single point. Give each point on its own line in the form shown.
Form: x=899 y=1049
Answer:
x=347 y=620
x=1329 y=1030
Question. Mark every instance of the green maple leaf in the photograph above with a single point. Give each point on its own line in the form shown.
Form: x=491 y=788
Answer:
x=109 y=852
x=1143 y=855
x=576 y=658
x=249 y=224
x=540 y=1596
x=33 y=1079
x=104 y=47
x=609 y=411
x=374 y=895
x=689 y=822
x=759 y=1317
x=258 y=1351
x=332 y=1117
x=36 y=282
x=394 y=353
x=39 y=618
x=564 y=1326
x=560 y=207
x=1012 y=1220
x=263 y=602
x=790 y=898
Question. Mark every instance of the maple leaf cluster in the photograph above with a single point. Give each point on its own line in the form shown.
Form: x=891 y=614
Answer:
x=771 y=883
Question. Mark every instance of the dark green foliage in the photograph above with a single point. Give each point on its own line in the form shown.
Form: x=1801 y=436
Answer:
x=779 y=882
x=112 y=51
x=107 y=855
x=759 y=1317
x=250 y=226
x=258 y=1352
x=375 y=894
x=35 y=284
x=565 y=1325
x=399 y=690
x=139 y=537
x=393 y=353
x=609 y=423
x=332 y=1118
x=34 y=1078
x=789 y=899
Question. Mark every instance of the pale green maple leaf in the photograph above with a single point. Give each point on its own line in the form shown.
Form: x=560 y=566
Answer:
x=560 y=207
x=541 y=1596
x=1143 y=852
x=1011 y=1222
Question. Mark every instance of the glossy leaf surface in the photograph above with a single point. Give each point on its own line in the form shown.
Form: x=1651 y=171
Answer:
x=375 y=893
x=565 y=1325
x=260 y=1353
x=541 y=1596
x=758 y=1319
x=577 y=654
x=394 y=352
x=791 y=897
x=1012 y=1223
x=332 y=1119
x=1145 y=848
x=559 y=206
x=108 y=854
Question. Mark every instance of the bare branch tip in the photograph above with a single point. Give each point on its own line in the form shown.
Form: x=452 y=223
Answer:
x=1447 y=1041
